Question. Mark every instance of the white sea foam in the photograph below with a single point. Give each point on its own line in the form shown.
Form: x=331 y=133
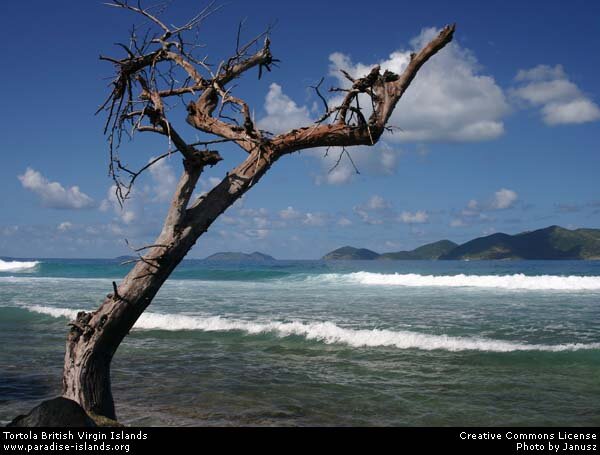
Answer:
x=16 y=266
x=329 y=333
x=516 y=281
x=52 y=311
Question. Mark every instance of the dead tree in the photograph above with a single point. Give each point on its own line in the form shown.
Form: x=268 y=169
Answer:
x=157 y=68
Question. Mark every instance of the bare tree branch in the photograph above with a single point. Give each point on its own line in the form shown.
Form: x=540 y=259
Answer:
x=146 y=78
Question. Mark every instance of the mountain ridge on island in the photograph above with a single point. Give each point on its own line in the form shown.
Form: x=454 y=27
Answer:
x=235 y=256
x=351 y=253
x=553 y=242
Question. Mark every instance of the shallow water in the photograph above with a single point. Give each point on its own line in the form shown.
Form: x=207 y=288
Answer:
x=317 y=343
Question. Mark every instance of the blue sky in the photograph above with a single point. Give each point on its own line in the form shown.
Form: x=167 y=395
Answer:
x=499 y=132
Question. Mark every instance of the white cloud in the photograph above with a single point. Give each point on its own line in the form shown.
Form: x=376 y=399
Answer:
x=254 y=220
x=65 y=226
x=577 y=111
x=229 y=220
x=367 y=217
x=376 y=202
x=53 y=194
x=260 y=222
x=289 y=214
x=475 y=212
x=249 y=212
x=283 y=114
x=341 y=173
x=164 y=180
x=259 y=234
x=344 y=222
x=560 y=100
x=449 y=100
x=379 y=160
x=374 y=210
x=504 y=199
x=131 y=210
x=473 y=204
x=457 y=222
x=541 y=72
x=315 y=219
x=420 y=216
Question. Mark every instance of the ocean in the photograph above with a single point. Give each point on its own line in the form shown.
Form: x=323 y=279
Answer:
x=344 y=343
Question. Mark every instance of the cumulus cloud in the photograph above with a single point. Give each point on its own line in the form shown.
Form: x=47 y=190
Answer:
x=457 y=222
x=475 y=211
x=283 y=114
x=340 y=167
x=560 y=101
x=131 y=210
x=376 y=202
x=504 y=199
x=143 y=198
x=315 y=219
x=289 y=214
x=250 y=212
x=420 y=216
x=374 y=211
x=260 y=219
x=65 y=226
x=258 y=234
x=449 y=100
x=164 y=180
x=53 y=194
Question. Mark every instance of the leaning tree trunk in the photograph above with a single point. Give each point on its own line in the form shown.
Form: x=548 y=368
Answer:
x=94 y=337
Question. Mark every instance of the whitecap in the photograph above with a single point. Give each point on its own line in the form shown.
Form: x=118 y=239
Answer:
x=16 y=266
x=517 y=281
x=329 y=333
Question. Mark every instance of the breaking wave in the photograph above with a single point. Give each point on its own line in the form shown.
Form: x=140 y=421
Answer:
x=516 y=281
x=16 y=266
x=328 y=332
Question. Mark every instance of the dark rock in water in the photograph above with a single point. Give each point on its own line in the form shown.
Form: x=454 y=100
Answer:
x=58 y=412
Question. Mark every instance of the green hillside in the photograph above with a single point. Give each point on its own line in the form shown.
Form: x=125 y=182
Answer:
x=553 y=242
x=429 y=251
x=351 y=253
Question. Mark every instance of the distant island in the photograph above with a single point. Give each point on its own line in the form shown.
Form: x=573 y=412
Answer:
x=553 y=242
x=239 y=257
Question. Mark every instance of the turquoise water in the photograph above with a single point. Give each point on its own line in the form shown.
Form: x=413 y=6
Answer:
x=323 y=343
